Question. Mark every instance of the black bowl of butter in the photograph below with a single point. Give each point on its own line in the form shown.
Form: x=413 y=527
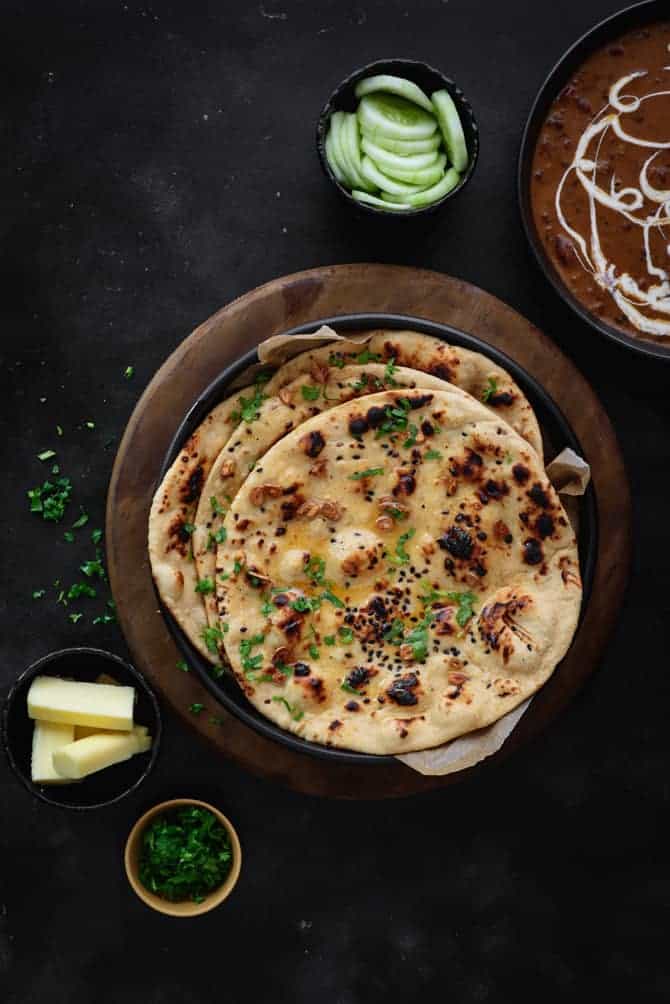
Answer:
x=81 y=728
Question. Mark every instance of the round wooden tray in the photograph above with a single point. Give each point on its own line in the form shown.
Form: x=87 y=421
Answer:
x=273 y=308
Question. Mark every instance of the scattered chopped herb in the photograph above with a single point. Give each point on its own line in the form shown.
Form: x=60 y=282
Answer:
x=508 y=458
x=432 y=455
x=38 y=593
x=59 y=430
x=267 y=609
x=389 y=373
x=46 y=455
x=82 y=521
x=345 y=635
x=223 y=576
x=394 y=633
x=204 y=586
x=249 y=409
x=418 y=639
x=315 y=570
x=185 y=854
x=80 y=589
x=55 y=469
x=196 y=708
x=465 y=601
x=251 y=662
x=188 y=528
x=211 y=637
x=396 y=418
x=75 y=617
x=336 y=360
x=94 y=567
x=89 y=425
x=183 y=666
x=411 y=439
x=237 y=566
x=395 y=513
x=332 y=598
x=306 y=603
x=349 y=689
x=295 y=713
x=401 y=557
x=129 y=372
x=367 y=357
x=369 y=472
x=216 y=670
x=51 y=499
x=490 y=389
x=217 y=508
x=329 y=639
x=69 y=536
x=310 y=393
x=217 y=721
x=314 y=651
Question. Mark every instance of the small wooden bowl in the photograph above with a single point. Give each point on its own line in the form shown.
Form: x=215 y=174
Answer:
x=186 y=908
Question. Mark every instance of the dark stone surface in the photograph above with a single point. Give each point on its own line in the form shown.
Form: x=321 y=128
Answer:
x=158 y=161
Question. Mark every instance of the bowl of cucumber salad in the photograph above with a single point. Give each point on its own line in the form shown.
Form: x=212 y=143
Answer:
x=397 y=138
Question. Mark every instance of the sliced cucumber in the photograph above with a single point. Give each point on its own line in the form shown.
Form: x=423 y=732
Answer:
x=332 y=159
x=428 y=195
x=338 y=149
x=372 y=200
x=452 y=130
x=406 y=146
x=387 y=161
x=391 y=116
x=394 y=85
x=347 y=149
x=352 y=150
x=380 y=180
x=425 y=177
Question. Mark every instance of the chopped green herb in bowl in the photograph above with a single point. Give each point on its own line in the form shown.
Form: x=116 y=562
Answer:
x=183 y=857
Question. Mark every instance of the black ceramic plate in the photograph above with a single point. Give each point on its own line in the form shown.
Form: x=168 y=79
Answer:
x=639 y=14
x=107 y=786
x=555 y=428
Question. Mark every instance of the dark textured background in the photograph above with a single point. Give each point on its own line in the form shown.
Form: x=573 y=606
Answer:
x=158 y=161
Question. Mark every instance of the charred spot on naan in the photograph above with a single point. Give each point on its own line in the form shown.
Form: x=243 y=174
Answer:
x=405 y=690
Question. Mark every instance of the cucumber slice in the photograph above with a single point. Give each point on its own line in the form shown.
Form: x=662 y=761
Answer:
x=387 y=161
x=394 y=117
x=405 y=146
x=338 y=149
x=425 y=177
x=352 y=150
x=452 y=130
x=380 y=180
x=428 y=195
x=372 y=200
x=394 y=85
x=332 y=160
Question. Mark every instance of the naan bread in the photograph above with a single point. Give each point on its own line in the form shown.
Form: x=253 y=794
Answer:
x=397 y=571
x=471 y=371
x=326 y=387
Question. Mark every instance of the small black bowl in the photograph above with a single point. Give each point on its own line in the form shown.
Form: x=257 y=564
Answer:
x=429 y=80
x=106 y=786
x=637 y=16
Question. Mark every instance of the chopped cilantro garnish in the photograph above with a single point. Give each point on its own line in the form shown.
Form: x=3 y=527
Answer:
x=212 y=636
x=345 y=635
x=249 y=409
x=411 y=439
x=187 y=528
x=464 y=601
x=306 y=603
x=46 y=455
x=183 y=665
x=94 y=567
x=418 y=639
x=314 y=651
x=315 y=570
x=128 y=372
x=75 y=617
x=396 y=418
x=51 y=499
x=295 y=713
x=335 y=359
x=394 y=633
x=96 y=535
x=335 y=600
x=82 y=521
x=369 y=472
x=401 y=557
x=80 y=589
x=237 y=566
x=389 y=373
x=394 y=512
x=38 y=593
x=69 y=536
x=217 y=508
x=267 y=608
x=349 y=689
x=185 y=854
x=329 y=639
x=196 y=708
x=251 y=662
x=432 y=455
x=508 y=458
x=204 y=586
x=89 y=425
x=310 y=393
x=490 y=389
x=367 y=357
x=59 y=430
x=55 y=469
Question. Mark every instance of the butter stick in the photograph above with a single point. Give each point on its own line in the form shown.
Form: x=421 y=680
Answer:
x=72 y=702
x=86 y=756
x=48 y=738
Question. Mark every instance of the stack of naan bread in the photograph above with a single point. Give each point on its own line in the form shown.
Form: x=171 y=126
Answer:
x=367 y=539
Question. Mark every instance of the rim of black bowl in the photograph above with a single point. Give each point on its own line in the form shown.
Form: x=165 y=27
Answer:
x=411 y=69
x=43 y=663
x=637 y=15
x=553 y=418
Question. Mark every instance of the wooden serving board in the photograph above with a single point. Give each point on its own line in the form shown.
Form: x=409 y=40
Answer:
x=271 y=309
